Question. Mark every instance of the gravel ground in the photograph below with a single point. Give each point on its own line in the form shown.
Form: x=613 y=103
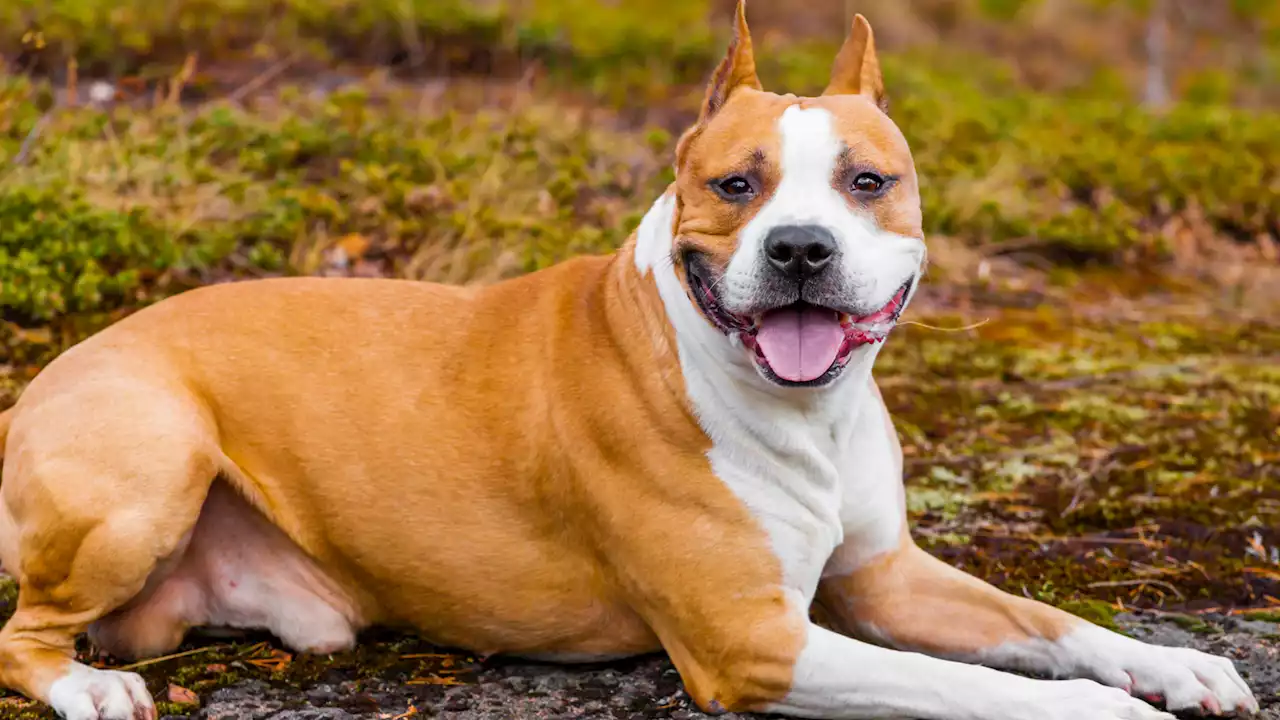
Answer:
x=648 y=687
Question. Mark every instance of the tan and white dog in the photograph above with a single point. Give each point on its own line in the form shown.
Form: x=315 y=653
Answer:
x=676 y=447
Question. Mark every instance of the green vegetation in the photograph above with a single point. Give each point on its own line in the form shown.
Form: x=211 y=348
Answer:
x=161 y=194
x=266 y=188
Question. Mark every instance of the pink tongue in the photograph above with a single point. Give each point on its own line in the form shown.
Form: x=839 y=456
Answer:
x=800 y=345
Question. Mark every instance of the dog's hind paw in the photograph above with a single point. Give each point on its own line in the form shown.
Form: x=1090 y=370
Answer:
x=84 y=693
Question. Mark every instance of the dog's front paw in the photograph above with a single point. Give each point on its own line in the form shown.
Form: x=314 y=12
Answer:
x=85 y=693
x=1186 y=679
x=1181 y=678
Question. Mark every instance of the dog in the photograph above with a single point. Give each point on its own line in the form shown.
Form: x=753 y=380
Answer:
x=678 y=447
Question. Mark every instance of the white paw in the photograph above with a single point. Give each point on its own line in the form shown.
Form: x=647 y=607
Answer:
x=1182 y=678
x=1081 y=699
x=84 y=693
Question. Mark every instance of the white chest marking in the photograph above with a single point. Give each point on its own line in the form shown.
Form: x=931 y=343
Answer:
x=779 y=450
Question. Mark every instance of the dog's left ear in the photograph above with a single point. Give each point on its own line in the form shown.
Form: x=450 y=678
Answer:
x=856 y=70
x=737 y=69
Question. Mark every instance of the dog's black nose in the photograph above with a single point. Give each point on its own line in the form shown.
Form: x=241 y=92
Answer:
x=799 y=251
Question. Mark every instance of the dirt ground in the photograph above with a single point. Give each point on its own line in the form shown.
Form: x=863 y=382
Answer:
x=638 y=689
x=397 y=677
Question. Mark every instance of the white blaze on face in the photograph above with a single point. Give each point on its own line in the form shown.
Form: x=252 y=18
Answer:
x=800 y=345
x=805 y=196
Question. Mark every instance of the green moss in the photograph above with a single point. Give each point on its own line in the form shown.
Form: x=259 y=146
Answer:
x=1095 y=611
x=1192 y=624
x=1263 y=616
x=59 y=254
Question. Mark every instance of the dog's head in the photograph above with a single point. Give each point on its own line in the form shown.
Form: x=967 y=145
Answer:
x=797 y=230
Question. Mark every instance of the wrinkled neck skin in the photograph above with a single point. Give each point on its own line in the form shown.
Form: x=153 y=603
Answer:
x=768 y=441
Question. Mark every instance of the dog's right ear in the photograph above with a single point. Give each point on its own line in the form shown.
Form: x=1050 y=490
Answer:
x=736 y=71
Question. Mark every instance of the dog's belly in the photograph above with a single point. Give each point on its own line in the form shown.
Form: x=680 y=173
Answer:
x=234 y=570
x=237 y=570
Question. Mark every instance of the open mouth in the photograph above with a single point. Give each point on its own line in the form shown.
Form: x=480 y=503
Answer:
x=800 y=344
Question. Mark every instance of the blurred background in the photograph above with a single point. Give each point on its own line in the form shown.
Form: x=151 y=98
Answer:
x=1100 y=183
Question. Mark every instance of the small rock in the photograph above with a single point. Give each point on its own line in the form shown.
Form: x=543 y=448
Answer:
x=101 y=92
x=321 y=695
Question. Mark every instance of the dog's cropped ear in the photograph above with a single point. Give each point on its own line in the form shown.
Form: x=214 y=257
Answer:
x=737 y=70
x=856 y=70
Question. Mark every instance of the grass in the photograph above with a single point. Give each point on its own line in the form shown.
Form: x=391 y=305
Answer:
x=116 y=209
x=1071 y=180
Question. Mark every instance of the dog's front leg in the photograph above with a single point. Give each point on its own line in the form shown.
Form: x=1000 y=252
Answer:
x=879 y=585
x=910 y=600
x=775 y=661
x=839 y=677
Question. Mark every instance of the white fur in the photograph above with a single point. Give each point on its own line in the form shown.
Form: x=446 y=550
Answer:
x=821 y=474
x=1185 y=678
x=84 y=693
x=874 y=261
x=840 y=678
x=873 y=499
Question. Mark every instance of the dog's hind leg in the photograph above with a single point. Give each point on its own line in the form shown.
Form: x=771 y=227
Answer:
x=102 y=481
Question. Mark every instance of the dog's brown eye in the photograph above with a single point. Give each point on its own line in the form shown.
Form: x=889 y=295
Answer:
x=735 y=187
x=868 y=183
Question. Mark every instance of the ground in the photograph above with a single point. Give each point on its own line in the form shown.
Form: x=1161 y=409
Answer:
x=636 y=690
x=396 y=677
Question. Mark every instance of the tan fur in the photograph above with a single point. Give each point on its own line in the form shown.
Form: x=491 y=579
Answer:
x=384 y=455
x=856 y=70
x=918 y=602
x=513 y=468
x=5 y=418
x=730 y=143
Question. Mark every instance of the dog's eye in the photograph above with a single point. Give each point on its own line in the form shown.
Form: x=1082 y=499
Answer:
x=735 y=187
x=868 y=183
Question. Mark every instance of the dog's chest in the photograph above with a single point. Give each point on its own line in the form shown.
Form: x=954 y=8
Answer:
x=791 y=484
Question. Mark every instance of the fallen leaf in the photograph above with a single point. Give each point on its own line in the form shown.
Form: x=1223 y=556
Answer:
x=278 y=661
x=354 y=245
x=35 y=336
x=434 y=680
x=182 y=696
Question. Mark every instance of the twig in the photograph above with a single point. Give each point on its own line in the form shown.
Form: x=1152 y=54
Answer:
x=1129 y=583
x=1065 y=539
x=165 y=658
x=29 y=142
x=265 y=77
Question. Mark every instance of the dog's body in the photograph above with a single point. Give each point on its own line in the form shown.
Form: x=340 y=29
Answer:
x=676 y=447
